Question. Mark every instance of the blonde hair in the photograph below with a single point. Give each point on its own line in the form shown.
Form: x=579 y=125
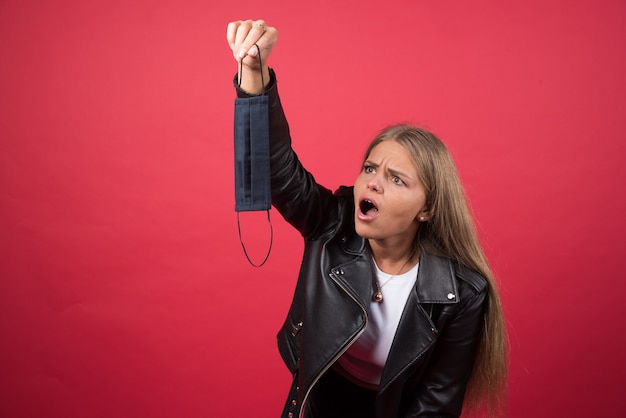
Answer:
x=450 y=233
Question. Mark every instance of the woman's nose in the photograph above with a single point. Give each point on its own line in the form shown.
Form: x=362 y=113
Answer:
x=374 y=185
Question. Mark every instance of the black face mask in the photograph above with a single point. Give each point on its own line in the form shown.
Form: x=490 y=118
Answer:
x=252 y=158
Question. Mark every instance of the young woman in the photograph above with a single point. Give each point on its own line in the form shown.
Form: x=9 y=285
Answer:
x=395 y=312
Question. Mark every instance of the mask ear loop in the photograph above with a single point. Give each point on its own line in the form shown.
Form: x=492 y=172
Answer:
x=243 y=246
x=240 y=74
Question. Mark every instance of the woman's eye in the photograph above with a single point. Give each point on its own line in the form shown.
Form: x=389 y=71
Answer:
x=397 y=180
x=368 y=169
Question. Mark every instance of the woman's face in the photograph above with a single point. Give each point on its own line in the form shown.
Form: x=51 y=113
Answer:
x=389 y=197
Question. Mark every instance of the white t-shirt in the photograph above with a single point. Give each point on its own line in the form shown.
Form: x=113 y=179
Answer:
x=366 y=357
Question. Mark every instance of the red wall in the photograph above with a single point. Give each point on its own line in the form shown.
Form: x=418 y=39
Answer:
x=124 y=291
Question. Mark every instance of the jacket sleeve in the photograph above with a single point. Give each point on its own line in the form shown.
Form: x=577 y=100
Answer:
x=442 y=388
x=309 y=207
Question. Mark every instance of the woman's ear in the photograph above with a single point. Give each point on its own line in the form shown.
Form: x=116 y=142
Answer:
x=423 y=216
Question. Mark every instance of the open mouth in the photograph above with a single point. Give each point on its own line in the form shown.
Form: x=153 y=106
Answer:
x=367 y=206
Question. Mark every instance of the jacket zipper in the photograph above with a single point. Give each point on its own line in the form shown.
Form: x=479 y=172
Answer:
x=350 y=342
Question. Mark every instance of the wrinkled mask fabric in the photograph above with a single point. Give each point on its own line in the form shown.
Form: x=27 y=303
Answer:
x=252 y=155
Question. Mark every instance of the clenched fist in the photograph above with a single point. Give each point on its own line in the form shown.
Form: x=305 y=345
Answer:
x=243 y=38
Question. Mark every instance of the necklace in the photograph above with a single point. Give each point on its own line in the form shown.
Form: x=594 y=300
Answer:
x=378 y=294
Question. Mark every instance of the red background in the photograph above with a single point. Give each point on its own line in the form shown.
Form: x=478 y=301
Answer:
x=124 y=291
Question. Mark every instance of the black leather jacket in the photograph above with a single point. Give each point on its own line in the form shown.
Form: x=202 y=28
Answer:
x=433 y=352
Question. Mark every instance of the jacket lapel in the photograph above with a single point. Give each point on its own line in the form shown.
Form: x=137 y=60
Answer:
x=355 y=270
x=416 y=332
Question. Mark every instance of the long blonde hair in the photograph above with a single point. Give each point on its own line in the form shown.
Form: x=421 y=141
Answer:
x=450 y=233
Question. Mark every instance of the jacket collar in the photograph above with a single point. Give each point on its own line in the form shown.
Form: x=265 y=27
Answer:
x=436 y=282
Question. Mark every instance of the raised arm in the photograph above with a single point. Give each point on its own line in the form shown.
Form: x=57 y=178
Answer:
x=242 y=37
x=309 y=207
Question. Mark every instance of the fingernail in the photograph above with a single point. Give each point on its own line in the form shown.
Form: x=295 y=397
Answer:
x=241 y=54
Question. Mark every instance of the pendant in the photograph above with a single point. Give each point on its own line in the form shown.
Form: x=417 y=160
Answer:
x=378 y=296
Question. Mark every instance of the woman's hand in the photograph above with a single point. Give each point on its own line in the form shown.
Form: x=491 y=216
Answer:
x=242 y=37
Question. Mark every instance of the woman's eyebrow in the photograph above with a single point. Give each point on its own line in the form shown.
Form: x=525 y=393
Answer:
x=399 y=173
x=391 y=171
